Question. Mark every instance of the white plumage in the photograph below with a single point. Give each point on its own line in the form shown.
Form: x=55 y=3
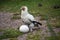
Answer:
x=25 y=16
x=31 y=26
x=28 y=18
x=24 y=28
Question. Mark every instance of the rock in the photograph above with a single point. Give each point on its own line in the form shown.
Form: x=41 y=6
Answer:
x=24 y=28
x=39 y=5
x=56 y=6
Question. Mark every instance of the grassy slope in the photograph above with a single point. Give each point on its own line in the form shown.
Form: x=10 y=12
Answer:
x=45 y=9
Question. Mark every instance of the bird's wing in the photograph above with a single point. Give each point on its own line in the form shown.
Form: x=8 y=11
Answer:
x=30 y=17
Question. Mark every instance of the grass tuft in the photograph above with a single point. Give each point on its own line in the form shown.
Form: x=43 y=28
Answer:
x=10 y=33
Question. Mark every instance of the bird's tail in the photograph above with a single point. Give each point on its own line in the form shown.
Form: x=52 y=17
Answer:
x=35 y=22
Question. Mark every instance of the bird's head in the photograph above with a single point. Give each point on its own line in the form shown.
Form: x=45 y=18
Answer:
x=24 y=8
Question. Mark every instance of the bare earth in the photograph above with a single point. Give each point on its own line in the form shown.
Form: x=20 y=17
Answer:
x=7 y=22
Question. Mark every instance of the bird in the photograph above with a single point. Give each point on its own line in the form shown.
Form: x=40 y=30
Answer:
x=28 y=18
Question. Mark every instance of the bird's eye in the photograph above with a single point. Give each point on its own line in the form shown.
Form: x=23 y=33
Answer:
x=23 y=9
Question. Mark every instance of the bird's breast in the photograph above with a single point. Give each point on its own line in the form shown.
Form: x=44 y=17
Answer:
x=25 y=20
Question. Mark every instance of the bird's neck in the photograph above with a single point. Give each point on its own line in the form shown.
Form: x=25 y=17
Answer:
x=24 y=12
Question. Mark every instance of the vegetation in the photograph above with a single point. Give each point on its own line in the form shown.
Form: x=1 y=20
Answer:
x=43 y=8
x=16 y=16
x=36 y=7
x=34 y=36
x=10 y=33
x=52 y=38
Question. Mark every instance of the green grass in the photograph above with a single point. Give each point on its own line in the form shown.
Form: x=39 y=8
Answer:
x=53 y=38
x=46 y=8
x=16 y=17
x=13 y=39
x=34 y=36
x=10 y=33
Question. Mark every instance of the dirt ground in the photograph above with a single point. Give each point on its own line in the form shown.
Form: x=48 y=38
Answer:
x=7 y=22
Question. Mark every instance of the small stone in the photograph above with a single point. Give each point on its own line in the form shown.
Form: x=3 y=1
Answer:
x=39 y=4
x=56 y=6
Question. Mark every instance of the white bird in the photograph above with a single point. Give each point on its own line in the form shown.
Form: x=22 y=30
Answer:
x=24 y=28
x=26 y=17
